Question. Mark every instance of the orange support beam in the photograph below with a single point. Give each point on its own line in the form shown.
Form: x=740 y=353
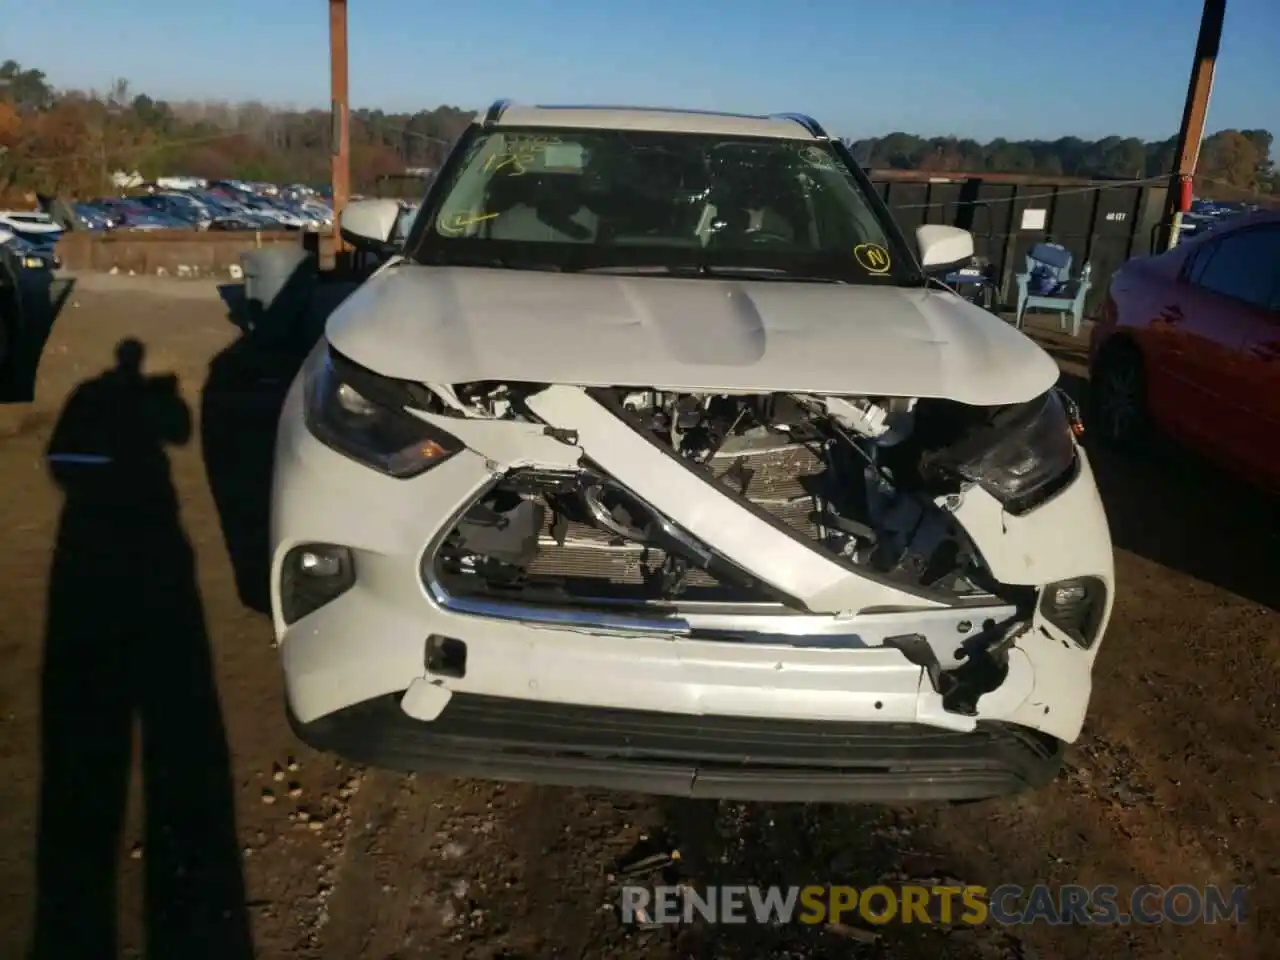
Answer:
x=340 y=107
x=1194 y=114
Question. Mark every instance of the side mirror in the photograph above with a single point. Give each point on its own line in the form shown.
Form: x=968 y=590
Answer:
x=405 y=222
x=370 y=224
x=943 y=248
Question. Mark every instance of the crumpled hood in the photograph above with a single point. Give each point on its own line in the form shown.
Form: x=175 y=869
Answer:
x=458 y=324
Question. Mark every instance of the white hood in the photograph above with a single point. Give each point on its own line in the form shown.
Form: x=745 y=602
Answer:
x=459 y=324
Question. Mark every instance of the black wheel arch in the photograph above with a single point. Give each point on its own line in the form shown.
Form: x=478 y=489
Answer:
x=1120 y=343
x=1119 y=349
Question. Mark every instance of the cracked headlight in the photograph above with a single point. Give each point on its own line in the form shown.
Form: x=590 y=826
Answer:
x=362 y=415
x=1021 y=456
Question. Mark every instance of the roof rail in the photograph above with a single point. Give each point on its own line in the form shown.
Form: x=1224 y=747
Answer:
x=805 y=121
x=495 y=112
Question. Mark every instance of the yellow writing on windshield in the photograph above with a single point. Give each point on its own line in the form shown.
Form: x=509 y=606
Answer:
x=460 y=222
x=515 y=164
x=531 y=141
x=872 y=257
x=521 y=152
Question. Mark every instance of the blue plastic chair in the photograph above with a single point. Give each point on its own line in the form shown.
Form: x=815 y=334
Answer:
x=1047 y=284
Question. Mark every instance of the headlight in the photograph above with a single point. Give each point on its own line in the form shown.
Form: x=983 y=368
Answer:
x=1021 y=456
x=362 y=416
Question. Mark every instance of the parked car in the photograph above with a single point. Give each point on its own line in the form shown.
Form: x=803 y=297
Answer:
x=10 y=311
x=92 y=216
x=709 y=493
x=189 y=203
x=132 y=214
x=226 y=215
x=1189 y=342
x=230 y=207
x=29 y=224
x=30 y=256
x=179 y=206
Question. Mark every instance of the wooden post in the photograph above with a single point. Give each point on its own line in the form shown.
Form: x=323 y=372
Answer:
x=1193 y=115
x=341 y=136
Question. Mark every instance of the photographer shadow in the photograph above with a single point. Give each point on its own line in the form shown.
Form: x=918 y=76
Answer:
x=127 y=654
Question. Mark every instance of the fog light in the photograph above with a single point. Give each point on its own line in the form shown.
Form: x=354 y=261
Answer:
x=1066 y=594
x=315 y=564
x=1075 y=607
x=313 y=575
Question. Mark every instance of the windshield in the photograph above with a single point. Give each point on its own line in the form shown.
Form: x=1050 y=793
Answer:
x=620 y=199
x=214 y=204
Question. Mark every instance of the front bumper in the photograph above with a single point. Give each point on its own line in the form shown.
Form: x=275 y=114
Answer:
x=358 y=679
x=702 y=757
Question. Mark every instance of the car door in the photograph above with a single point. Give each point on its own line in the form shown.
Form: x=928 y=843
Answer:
x=1260 y=382
x=1207 y=317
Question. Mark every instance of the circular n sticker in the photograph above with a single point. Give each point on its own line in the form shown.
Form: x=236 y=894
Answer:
x=872 y=257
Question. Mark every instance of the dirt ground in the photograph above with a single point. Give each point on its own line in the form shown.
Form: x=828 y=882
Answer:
x=143 y=648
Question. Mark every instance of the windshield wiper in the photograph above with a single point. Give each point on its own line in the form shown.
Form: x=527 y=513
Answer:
x=496 y=263
x=716 y=271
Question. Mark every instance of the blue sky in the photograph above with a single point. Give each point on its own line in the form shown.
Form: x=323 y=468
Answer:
x=864 y=67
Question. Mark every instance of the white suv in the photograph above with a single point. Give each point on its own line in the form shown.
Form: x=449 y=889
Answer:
x=656 y=458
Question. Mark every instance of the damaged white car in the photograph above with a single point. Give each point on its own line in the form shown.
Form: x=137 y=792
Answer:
x=655 y=458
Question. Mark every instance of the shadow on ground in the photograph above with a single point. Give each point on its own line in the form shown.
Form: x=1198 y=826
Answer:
x=1176 y=509
x=239 y=409
x=127 y=659
x=41 y=298
x=1066 y=352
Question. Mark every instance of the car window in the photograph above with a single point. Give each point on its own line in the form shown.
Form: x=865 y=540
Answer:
x=1241 y=265
x=1197 y=262
x=598 y=198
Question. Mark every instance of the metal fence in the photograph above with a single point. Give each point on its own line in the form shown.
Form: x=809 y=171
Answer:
x=1103 y=223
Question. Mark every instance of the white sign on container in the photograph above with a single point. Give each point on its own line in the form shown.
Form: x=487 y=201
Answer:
x=1033 y=219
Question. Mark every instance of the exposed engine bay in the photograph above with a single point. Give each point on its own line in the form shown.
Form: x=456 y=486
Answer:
x=866 y=480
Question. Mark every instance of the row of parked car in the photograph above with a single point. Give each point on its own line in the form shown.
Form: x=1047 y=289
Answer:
x=222 y=205
x=189 y=205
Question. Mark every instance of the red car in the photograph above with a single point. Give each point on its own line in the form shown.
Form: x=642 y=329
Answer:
x=1188 y=342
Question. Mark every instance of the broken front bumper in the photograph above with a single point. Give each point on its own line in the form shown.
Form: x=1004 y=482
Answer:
x=662 y=753
x=703 y=702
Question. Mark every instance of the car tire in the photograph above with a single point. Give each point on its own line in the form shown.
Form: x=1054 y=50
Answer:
x=1118 y=398
x=9 y=317
x=6 y=347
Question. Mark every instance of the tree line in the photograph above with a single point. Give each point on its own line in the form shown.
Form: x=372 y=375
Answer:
x=69 y=142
